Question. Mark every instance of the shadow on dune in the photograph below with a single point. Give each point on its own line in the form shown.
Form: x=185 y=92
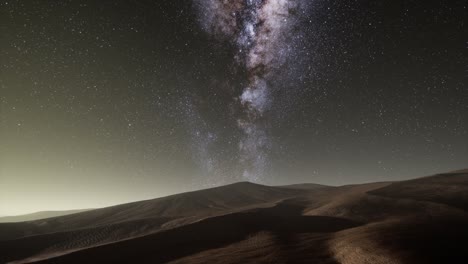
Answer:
x=447 y=236
x=25 y=247
x=284 y=220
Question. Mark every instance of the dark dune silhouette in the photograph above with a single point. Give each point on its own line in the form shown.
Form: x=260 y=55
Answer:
x=417 y=221
x=37 y=216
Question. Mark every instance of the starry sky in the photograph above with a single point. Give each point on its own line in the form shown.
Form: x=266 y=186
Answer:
x=106 y=102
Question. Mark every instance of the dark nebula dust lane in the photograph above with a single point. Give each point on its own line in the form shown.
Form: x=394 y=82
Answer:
x=261 y=32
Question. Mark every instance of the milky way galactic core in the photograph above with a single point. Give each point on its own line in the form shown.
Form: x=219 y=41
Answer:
x=261 y=30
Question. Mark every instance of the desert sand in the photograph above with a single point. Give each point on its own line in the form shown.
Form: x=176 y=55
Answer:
x=37 y=215
x=416 y=221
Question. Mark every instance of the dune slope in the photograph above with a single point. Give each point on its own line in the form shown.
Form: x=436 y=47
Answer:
x=418 y=221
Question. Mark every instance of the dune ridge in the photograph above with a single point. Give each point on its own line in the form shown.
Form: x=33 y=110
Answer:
x=423 y=220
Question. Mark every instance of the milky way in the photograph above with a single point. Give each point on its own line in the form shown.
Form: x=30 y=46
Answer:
x=106 y=104
x=261 y=32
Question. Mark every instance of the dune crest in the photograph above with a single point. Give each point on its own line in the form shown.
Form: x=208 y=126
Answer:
x=417 y=221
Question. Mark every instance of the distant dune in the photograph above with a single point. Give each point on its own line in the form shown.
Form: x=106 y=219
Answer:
x=417 y=221
x=38 y=215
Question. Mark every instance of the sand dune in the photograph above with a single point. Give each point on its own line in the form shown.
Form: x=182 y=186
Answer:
x=417 y=221
x=38 y=215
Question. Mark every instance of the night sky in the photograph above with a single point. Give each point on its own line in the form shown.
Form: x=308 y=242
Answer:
x=105 y=102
